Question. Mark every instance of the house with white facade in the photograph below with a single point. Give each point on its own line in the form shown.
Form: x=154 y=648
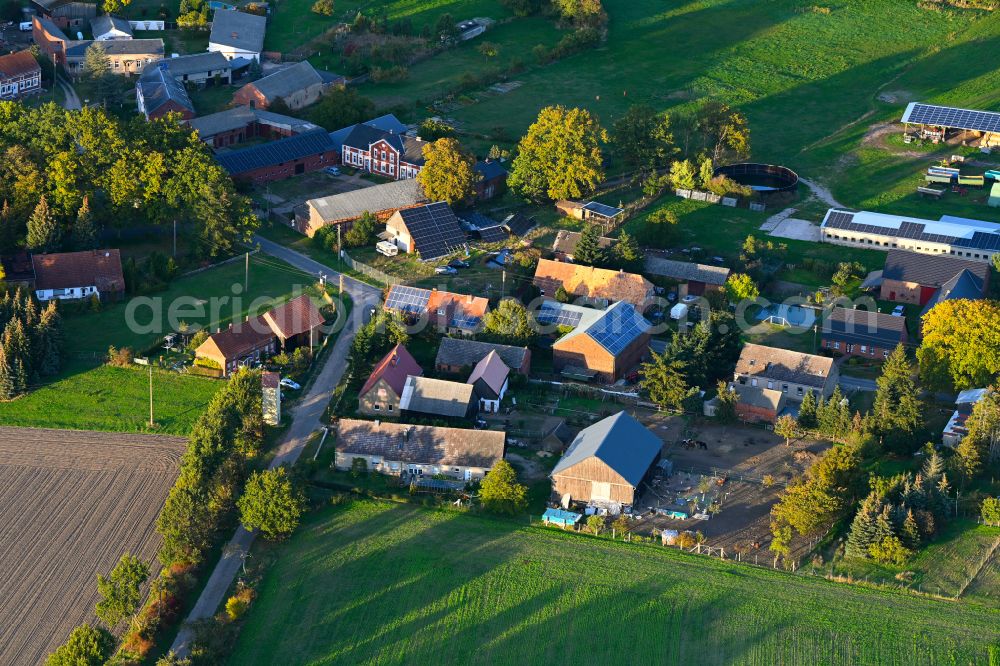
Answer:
x=76 y=275
x=108 y=28
x=418 y=450
x=490 y=379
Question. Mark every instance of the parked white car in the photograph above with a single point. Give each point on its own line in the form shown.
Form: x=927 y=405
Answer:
x=289 y=384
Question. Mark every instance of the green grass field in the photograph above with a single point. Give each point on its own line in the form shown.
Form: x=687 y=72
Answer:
x=113 y=399
x=381 y=583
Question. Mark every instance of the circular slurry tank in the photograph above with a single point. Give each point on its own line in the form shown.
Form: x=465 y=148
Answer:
x=761 y=178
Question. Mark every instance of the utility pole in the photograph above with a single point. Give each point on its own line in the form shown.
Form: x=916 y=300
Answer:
x=175 y=239
x=503 y=283
x=340 y=249
x=246 y=276
x=151 y=423
x=341 y=282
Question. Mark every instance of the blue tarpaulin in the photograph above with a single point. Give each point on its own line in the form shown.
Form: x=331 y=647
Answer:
x=560 y=517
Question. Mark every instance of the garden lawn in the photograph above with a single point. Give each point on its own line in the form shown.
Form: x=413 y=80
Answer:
x=114 y=399
x=383 y=583
x=191 y=298
x=90 y=396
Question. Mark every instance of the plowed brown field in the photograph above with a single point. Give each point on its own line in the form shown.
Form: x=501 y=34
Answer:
x=71 y=502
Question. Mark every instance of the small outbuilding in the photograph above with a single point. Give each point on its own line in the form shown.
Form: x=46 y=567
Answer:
x=489 y=379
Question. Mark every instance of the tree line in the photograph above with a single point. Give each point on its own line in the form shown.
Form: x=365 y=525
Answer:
x=31 y=344
x=67 y=176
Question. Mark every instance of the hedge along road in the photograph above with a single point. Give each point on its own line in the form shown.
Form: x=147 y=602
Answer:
x=305 y=421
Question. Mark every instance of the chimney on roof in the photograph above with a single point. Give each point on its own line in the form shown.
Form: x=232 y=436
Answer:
x=377 y=423
x=471 y=298
x=394 y=360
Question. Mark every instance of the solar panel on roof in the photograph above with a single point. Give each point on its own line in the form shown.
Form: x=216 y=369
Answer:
x=411 y=300
x=552 y=313
x=602 y=209
x=619 y=328
x=434 y=228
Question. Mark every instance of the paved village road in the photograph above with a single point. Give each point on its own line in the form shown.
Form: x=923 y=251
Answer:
x=305 y=421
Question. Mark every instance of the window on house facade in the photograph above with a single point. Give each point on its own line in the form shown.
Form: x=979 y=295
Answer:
x=798 y=390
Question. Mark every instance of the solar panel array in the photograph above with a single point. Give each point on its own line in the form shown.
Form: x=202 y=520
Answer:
x=410 y=300
x=552 y=313
x=910 y=230
x=981 y=240
x=494 y=234
x=618 y=328
x=602 y=209
x=946 y=116
x=465 y=321
x=434 y=228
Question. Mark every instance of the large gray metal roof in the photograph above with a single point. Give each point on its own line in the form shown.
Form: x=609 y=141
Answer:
x=378 y=198
x=620 y=442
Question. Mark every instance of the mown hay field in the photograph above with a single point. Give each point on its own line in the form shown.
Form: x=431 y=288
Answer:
x=382 y=583
x=71 y=502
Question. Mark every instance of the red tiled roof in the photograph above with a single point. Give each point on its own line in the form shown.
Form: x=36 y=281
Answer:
x=394 y=369
x=238 y=340
x=298 y=315
x=99 y=268
x=470 y=306
x=18 y=64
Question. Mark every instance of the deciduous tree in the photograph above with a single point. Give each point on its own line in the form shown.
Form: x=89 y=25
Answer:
x=740 y=287
x=682 y=175
x=947 y=357
x=509 y=322
x=86 y=646
x=643 y=137
x=323 y=7
x=362 y=232
x=121 y=591
x=786 y=427
x=560 y=156
x=500 y=492
x=271 y=503
x=660 y=228
x=448 y=173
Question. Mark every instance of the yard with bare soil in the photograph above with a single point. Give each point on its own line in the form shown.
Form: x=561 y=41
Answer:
x=740 y=472
x=71 y=503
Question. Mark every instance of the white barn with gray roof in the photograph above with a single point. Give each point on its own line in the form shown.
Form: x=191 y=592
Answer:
x=237 y=34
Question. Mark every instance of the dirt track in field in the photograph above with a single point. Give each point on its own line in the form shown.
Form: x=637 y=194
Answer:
x=71 y=502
